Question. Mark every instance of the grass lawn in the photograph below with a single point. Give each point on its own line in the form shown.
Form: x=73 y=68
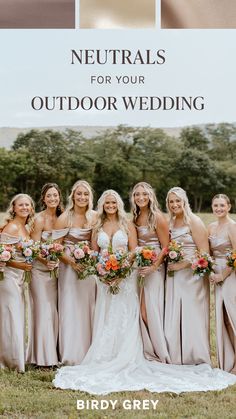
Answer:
x=31 y=395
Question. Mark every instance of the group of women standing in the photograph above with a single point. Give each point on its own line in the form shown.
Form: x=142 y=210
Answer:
x=79 y=323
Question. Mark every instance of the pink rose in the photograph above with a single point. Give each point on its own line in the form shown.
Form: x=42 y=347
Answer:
x=194 y=265
x=100 y=269
x=27 y=252
x=79 y=254
x=172 y=254
x=58 y=247
x=5 y=256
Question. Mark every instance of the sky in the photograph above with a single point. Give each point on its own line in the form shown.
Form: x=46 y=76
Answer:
x=37 y=63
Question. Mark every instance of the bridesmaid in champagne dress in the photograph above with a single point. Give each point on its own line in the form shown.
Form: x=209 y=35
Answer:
x=76 y=298
x=187 y=296
x=12 y=303
x=152 y=229
x=43 y=315
x=222 y=236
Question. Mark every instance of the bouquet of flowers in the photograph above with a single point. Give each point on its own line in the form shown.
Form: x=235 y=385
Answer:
x=174 y=254
x=231 y=259
x=145 y=256
x=83 y=255
x=51 y=251
x=30 y=250
x=112 y=267
x=202 y=264
x=7 y=252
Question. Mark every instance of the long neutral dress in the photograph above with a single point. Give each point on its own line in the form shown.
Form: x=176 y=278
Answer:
x=76 y=302
x=153 y=334
x=187 y=309
x=43 y=315
x=115 y=360
x=12 y=314
x=225 y=304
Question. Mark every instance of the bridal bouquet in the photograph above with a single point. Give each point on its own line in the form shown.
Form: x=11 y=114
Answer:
x=51 y=251
x=112 y=267
x=174 y=254
x=7 y=252
x=30 y=250
x=145 y=256
x=202 y=264
x=231 y=259
x=83 y=255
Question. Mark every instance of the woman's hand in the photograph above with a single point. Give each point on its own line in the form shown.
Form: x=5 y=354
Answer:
x=27 y=267
x=216 y=278
x=178 y=266
x=2 y=266
x=51 y=265
x=147 y=270
x=76 y=266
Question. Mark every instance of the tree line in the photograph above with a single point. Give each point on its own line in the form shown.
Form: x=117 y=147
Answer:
x=202 y=160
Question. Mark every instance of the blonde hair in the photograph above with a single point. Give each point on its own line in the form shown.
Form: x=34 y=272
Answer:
x=153 y=205
x=187 y=212
x=10 y=213
x=101 y=215
x=70 y=207
x=221 y=196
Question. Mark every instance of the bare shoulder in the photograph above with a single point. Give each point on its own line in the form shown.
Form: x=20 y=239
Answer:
x=131 y=226
x=232 y=226
x=11 y=228
x=39 y=220
x=161 y=218
x=61 y=221
x=196 y=222
x=211 y=227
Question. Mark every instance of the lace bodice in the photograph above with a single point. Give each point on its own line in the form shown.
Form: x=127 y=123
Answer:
x=118 y=240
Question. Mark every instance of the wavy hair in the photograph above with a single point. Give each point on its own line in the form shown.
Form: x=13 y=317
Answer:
x=70 y=207
x=45 y=188
x=187 y=212
x=101 y=214
x=10 y=213
x=153 y=205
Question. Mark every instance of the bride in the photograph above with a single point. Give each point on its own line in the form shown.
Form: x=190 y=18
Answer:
x=115 y=360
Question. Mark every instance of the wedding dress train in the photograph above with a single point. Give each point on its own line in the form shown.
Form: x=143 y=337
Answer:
x=115 y=360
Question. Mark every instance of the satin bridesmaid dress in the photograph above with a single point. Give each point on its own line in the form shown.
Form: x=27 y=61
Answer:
x=154 y=342
x=43 y=315
x=225 y=304
x=76 y=302
x=187 y=309
x=12 y=314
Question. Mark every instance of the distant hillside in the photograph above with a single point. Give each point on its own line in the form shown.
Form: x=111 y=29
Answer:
x=8 y=135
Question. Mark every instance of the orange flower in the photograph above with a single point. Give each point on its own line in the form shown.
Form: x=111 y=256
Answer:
x=235 y=264
x=114 y=263
x=108 y=265
x=147 y=253
x=234 y=256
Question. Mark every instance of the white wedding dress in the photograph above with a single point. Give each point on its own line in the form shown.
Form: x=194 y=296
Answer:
x=115 y=360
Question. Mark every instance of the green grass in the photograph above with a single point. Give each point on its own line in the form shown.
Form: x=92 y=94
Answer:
x=31 y=395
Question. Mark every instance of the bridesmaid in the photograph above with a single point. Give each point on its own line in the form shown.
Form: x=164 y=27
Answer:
x=76 y=298
x=187 y=295
x=152 y=229
x=222 y=236
x=43 y=316
x=17 y=224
